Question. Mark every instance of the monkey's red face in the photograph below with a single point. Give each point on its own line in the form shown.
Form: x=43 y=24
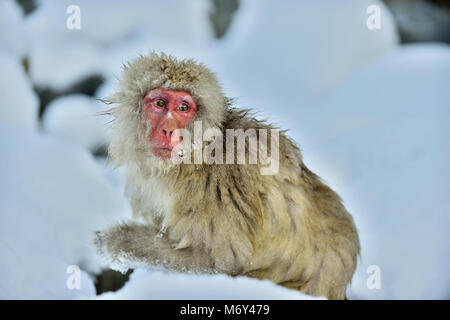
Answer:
x=167 y=110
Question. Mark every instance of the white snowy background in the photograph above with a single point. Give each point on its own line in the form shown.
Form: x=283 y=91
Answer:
x=370 y=115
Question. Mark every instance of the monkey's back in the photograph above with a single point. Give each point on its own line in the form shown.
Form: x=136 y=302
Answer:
x=308 y=240
x=288 y=227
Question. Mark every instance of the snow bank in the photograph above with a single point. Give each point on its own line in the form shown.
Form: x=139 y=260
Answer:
x=106 y=22
x=12 y=31
x=60 y=56
x=188 y=35
x=58 y=65
x=111 y=33
x=381 y=140
x=301 y=47
x=18 y=102
x=79 y=119
x=53 y=196
x=161 y=285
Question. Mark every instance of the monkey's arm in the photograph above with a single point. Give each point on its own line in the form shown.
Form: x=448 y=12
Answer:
x=132 y=245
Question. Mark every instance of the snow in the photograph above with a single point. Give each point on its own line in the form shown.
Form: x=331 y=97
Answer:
x=79 y=119
x=12 y=32
x=182 y=37
x=60 y=66
x=110 y=33
x=53 y=197
x=18 y=102
x=116 y=176
x=163 y=285
x=306 y=47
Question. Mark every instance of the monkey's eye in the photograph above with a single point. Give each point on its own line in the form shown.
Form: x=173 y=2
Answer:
x=160 y=103
x=183 y=107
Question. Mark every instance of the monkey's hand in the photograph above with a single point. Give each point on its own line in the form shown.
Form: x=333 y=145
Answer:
x=133 y=245
x=125 y=246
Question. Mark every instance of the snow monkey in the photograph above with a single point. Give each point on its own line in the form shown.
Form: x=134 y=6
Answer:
x=220 y=217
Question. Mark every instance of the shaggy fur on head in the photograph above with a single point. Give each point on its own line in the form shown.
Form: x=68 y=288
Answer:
x=160 y=71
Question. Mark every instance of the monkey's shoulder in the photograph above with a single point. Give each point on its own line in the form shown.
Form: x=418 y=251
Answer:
x=246 y=119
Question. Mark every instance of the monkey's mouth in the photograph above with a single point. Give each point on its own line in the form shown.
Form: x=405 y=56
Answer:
x=164 y=153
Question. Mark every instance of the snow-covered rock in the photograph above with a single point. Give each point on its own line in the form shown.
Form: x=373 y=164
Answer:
x=12 y=31
x=381 y=140
x=163 y=285
x=80 y=119
x=60 y=64
x=110 y=34
x=421 y=20
x=188 y=35
x=19 y=105
x=53 y=196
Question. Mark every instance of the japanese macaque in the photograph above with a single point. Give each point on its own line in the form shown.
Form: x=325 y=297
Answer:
x=218 y=217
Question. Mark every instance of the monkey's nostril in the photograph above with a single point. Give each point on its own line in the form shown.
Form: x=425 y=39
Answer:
x=167 y=133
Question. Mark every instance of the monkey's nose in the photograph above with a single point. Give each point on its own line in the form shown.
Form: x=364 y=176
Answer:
x=167 y=133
